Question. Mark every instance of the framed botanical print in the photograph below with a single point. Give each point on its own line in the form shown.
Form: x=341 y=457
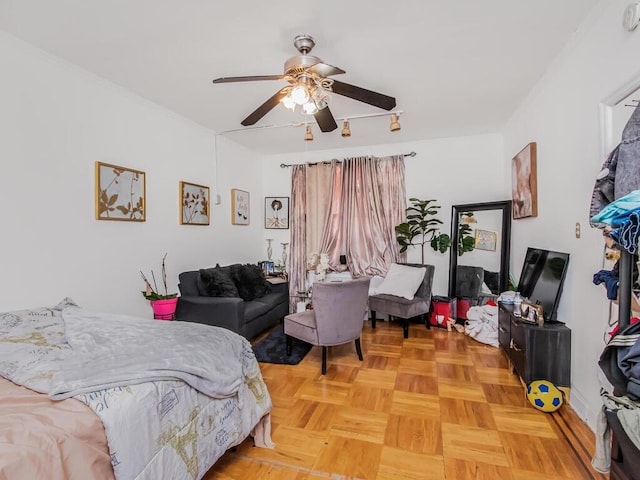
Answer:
x=120 y=193
x=194 y=204
x=239 y=207
x=276 y=212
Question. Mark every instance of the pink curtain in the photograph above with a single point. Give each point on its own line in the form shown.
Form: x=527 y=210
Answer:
x=297 y=251
x=351 y=208
x=391 y=184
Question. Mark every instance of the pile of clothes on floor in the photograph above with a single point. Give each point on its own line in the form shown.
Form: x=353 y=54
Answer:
x=482 y=324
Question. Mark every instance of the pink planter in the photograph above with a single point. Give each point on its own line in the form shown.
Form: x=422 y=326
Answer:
x=164 y=309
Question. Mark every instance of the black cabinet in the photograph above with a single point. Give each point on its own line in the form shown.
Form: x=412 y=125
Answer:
x=536 y=352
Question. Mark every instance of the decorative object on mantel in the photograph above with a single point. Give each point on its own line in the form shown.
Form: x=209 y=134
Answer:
x=120 y=193
x=239 y=207
x=269 y=248
x=194 y=204
x=284 y=257
x=421 y=227
x=276 y=212
x=322 y=268
x=524 y=183
x=163 y=305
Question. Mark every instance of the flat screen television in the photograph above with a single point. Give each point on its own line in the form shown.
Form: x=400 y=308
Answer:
x=541 y=279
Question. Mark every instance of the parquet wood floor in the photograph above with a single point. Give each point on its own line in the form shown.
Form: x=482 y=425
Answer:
x=437 y=405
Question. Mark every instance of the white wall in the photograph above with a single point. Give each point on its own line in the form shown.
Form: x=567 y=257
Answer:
x=56 y=121
x=562 y=115
x=450 y=170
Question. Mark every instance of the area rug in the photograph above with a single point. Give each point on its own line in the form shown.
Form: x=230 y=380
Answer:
x=273 y=348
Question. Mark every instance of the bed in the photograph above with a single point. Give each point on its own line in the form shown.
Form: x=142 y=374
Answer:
x=92 y=395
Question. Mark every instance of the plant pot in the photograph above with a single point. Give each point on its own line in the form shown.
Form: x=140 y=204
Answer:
x=164 y=309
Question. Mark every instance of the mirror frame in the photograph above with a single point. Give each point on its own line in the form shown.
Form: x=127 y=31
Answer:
x=505 y=207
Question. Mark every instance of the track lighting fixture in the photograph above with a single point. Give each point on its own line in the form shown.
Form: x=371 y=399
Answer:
x=346 y=131
x=308 y=136
x=395 y=125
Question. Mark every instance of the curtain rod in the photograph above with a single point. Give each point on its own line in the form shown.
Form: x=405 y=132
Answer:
x=287 y=165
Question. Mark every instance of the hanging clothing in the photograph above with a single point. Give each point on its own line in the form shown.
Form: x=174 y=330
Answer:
x=618 y=211
x=620 y=173
x=627 y=235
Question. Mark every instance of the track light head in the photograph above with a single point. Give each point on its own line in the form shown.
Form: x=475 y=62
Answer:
x=346 y=131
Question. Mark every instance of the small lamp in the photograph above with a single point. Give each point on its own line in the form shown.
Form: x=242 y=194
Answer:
x=346 y=131
x=308 y=136
x=395 y=125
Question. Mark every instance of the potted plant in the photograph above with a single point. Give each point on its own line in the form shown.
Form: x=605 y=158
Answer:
x=163 y=305
x=422 y=227
x=466 y=241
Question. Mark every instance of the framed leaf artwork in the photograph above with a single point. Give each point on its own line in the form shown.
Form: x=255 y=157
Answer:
x=120 y=193
x=194 y=204
x=239 y=207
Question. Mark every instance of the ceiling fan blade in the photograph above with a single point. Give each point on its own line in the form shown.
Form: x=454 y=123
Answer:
x=265 y=108
x=325 y=70
x=325 y=120
x=363 y=95
x=248 y=79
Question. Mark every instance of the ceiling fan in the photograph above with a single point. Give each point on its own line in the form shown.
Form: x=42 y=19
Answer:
x=309 y=87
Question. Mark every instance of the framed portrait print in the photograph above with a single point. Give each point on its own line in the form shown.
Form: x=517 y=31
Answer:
x=120 y=193
x=194 y=204
x=486 y=240
x=276 y=212
x=239 y=207
x=524 y=183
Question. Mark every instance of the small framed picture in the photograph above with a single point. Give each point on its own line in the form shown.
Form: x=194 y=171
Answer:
x=486 y=240
x=194 y=204
x=276 y=212
x=120 y=193
x=239 y=207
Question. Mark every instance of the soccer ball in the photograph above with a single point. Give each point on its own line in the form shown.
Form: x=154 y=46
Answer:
x=544 y=396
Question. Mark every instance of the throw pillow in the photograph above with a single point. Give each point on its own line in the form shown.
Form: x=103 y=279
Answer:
x=250 y=281
x=216 y=282
x=402 y=281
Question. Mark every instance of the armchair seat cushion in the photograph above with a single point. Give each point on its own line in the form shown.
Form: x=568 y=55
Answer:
x=302 y=326
x=398 y=306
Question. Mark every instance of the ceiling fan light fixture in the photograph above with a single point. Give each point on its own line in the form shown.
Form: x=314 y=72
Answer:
x=346 y=131
x=308 y=136
x=288 y=102
x=310 y=107
x=299 y=94
x=395 y=124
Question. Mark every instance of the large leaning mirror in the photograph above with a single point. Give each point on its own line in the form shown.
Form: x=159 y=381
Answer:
x=480 y=245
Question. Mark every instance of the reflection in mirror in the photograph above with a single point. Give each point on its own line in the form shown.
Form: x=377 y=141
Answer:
x=479 y=260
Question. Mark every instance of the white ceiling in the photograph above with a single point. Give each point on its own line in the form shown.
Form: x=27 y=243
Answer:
x=455 y=67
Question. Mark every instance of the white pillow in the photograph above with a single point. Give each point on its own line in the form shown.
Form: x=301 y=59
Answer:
x=402 y=281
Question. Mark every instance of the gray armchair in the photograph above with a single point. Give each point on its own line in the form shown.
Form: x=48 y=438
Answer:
x=337 y=317
x=399 y=307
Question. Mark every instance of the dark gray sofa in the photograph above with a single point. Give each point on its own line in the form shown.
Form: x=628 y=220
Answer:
x=247 y=318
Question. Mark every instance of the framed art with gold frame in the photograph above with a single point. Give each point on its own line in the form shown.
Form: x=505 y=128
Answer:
x=194 y=204
x=239 y=207
x=120 y=193
x=486 y=240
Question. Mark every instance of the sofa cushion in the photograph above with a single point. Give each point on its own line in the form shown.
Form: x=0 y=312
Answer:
x=216 y=282
x=250 y=281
